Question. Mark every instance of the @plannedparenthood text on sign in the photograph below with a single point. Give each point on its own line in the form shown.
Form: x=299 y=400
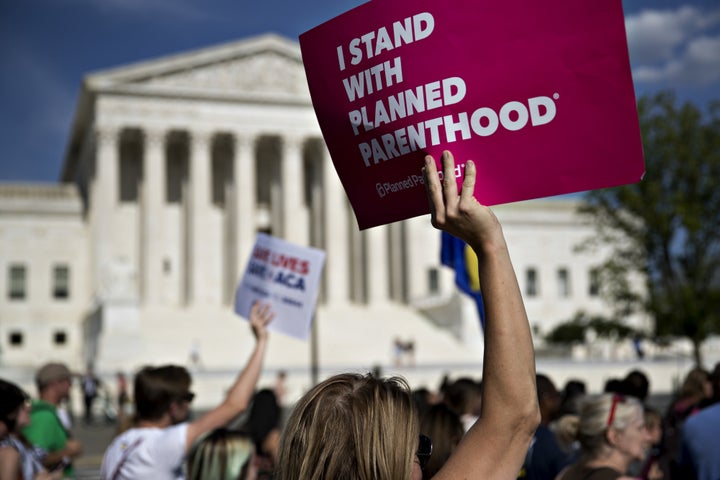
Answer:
x=538 y=93
x=288 y=277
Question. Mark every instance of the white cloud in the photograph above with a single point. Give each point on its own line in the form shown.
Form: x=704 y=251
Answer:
x=699 y=65
x=654 y=35
x=675 y=47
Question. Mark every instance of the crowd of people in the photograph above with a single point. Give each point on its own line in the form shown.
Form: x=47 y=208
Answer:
x=509 y=422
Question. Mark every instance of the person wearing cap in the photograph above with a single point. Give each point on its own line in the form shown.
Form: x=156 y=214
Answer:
x=46 y=431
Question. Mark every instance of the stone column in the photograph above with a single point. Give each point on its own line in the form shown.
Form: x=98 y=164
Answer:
x=244 y=186
x=199 y=206
x=377 y=264
x=294 y=210
x=357 y=259
x=153 y=226
x=398 y=270
x=337 y=238
x=104 y=200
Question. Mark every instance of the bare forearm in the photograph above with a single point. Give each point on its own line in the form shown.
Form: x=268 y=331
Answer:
x=509 y=411
x=9 y=463
x=237 y=400
x=495 y=446
x=242 y=390
x=52 y=459
x=509 y=365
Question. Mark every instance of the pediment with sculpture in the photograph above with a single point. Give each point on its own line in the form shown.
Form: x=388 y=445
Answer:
x=268 y=64
x=266 y=72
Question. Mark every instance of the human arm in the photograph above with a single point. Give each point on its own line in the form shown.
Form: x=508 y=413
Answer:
x=9 y=463
x=241 y=392
x=496 y=445
x=10 y=466
x=48 y=434
x=45 y=475
x=72 y=449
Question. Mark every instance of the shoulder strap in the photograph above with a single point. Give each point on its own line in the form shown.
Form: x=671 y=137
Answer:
x=124 y=457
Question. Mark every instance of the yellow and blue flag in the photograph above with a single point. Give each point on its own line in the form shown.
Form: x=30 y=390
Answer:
x=454 y=253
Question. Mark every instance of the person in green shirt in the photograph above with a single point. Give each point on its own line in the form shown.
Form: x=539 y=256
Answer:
x=46 y=431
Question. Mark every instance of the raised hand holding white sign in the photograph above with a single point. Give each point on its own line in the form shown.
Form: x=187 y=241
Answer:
x=285 y=275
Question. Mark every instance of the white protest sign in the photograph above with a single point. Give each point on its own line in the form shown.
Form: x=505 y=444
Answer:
x=286 y=276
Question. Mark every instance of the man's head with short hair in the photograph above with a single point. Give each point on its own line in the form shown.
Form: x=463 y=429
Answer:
x=53 y=382
x=157 y=389
x=548 y=398
x=573 y=391
x=636 y=384
x=464 y=396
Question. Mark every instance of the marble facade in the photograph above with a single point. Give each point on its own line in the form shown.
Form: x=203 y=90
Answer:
x=174 y=164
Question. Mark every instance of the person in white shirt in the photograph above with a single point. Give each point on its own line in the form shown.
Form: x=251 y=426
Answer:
x=161 y=436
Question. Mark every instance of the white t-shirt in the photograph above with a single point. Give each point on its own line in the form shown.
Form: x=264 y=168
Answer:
x=152 y=453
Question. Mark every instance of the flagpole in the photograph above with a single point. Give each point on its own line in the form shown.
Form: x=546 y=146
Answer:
x=314 y=352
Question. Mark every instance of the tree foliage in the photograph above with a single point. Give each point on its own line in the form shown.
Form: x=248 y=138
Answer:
x=667 y=226
x=574 y=331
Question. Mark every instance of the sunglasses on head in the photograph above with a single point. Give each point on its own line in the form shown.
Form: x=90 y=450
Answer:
x=615 y=400
x=424 y=450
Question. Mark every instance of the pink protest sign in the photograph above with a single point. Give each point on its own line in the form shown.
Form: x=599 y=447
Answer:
x=538 y=93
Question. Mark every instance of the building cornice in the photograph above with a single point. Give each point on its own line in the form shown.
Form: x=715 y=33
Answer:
x=39 y=199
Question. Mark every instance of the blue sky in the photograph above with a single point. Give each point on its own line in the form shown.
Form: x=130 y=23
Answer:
x=48 y=46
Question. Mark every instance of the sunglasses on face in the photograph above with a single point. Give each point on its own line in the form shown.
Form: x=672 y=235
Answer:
x=188 y=397
x=424 y=450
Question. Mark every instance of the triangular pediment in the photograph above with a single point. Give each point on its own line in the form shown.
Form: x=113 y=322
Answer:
x=266 y=72
x=264 y=66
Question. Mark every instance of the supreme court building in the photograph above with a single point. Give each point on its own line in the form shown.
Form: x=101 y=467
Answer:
x=172 y=167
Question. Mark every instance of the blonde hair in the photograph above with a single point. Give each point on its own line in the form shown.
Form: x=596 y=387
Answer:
x=590 y=426
x=221 y=455
x=354 y=427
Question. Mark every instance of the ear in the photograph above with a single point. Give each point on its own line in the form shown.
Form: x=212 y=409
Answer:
x=173 y=410
x=612 y=436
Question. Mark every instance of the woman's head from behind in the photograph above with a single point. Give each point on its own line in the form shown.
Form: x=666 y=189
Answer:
x=263 y=417
x=222 y=455
x=352 y=427
x=697 y=385
x=443 y=425
x=610 y=423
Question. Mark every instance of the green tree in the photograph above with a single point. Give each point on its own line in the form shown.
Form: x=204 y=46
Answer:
x=574 y=331
x=667 y=226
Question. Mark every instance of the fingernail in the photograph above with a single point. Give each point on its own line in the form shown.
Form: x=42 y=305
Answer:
x=470 y=163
